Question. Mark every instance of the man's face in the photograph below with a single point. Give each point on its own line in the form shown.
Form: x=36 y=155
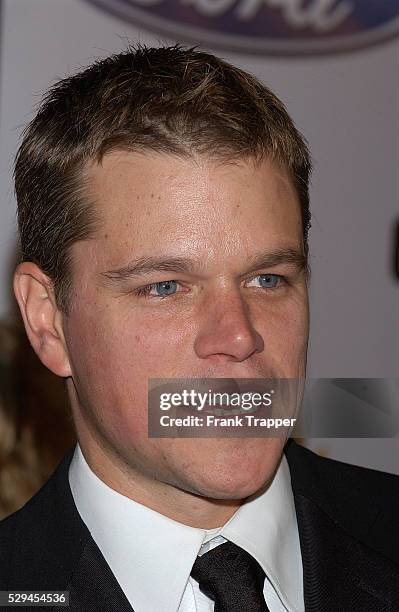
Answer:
x=215 y=319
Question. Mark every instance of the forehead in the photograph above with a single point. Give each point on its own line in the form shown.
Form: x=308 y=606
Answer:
x=144 y=200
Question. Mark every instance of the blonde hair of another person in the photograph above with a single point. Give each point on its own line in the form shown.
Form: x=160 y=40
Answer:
x=35 y=425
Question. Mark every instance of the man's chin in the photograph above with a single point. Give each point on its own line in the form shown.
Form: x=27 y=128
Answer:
x=225 y=469
x=235 y=485
x=234 y=493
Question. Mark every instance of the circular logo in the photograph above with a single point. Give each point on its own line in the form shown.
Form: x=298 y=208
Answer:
x=279 y=27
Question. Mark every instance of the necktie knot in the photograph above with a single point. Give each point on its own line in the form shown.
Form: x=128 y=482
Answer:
x=232 y=578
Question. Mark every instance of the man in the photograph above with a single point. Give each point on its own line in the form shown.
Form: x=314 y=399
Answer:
x=163 y=211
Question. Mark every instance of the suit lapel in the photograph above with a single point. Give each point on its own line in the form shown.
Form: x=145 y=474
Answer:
x=340 y=573
x=93 y=586
x=337 y=515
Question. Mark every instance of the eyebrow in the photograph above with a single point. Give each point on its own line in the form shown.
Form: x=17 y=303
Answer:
x=146 y=265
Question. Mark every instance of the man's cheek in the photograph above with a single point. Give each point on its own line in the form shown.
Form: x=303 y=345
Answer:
x=129 y=425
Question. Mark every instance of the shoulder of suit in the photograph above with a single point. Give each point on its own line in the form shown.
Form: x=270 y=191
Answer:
x=341 y=476
x=20 y=528
x=363 y=501
x=46 y=525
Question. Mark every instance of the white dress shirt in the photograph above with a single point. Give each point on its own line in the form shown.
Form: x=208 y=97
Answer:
x=151 y=555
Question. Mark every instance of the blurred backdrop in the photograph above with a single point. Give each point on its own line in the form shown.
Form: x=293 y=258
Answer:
x=335 y=65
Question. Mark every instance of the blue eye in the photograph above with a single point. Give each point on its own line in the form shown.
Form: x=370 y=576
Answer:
x=165 y=287
x=162 y=289
x=266 y=281
x=269 y=280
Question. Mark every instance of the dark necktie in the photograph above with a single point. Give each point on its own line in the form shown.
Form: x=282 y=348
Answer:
x=232 y=578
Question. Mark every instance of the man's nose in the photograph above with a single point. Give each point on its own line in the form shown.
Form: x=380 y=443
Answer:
x=226 y=330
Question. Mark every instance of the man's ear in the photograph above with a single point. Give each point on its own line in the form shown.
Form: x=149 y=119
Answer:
x=42 y=318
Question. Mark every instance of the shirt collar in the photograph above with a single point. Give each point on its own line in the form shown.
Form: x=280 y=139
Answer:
x=141 y=545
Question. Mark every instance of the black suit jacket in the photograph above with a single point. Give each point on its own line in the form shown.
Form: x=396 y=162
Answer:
x=348 y=519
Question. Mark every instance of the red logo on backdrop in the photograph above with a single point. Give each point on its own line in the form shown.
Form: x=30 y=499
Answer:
x=279 y=27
